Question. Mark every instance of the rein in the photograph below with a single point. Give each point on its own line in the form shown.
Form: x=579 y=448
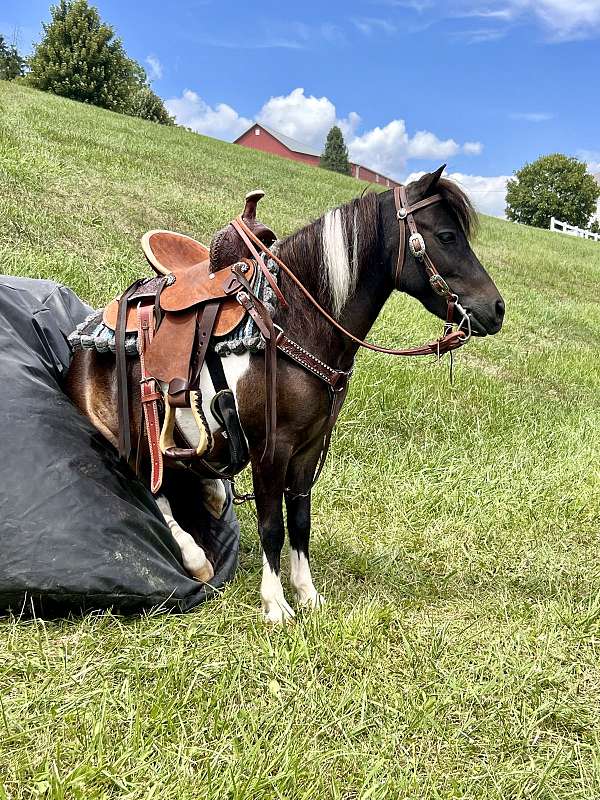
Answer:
x=450 y=340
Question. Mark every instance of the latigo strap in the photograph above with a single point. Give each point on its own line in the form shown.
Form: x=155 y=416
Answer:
x=150 y=395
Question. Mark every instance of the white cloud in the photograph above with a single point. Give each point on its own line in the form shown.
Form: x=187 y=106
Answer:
x=222 y=121
x=272 y=35
x=592 y=159
x=532 y=116
x=562 y=20
x=387 y=149
x=473 y=148
x=305 y=118
x=568 y=19
x=488 y=194
x=371 y=25
x=155 y=71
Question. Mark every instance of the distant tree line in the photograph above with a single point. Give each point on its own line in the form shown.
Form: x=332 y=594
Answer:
x=80 y=57
x=12 y=65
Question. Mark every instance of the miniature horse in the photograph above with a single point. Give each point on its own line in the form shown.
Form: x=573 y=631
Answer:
x=347 y=260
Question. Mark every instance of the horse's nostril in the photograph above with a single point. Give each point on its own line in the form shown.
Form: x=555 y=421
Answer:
x=500 y=308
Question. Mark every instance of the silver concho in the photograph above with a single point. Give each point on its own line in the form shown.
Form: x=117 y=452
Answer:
x=416 y=244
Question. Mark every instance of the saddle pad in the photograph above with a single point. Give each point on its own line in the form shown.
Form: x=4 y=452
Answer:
x=93 y=334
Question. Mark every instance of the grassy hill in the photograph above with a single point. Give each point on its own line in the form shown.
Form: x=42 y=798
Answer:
x=456 y=527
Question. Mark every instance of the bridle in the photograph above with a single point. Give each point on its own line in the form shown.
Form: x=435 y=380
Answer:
x=418 y=248
x=455 y=334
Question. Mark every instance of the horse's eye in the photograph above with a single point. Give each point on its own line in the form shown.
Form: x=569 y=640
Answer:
x=446 y=237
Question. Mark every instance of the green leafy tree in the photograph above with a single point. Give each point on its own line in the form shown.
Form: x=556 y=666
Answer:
x=79 y=57
x=335 y=155
x=12 y=65
x=144 y=103
x=595 y=226
x=553 y=186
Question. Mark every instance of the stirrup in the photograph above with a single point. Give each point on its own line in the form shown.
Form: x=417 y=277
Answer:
x=167 y=440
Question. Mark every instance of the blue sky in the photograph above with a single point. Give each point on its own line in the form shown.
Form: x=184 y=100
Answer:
x=483 y=86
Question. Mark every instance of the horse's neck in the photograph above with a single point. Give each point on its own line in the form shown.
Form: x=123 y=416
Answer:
x=303 y=323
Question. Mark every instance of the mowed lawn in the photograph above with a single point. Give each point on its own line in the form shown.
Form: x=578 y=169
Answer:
x=456 y=527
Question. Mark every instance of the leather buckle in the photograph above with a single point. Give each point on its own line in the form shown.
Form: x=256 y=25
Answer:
x=439 y=285
x=416 y=244
x=338 y=382
x=402 y=213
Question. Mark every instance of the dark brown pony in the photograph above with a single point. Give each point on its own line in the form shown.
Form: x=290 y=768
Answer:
x=347 y=260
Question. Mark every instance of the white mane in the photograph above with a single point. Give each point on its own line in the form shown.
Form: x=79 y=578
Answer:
x=339 y=274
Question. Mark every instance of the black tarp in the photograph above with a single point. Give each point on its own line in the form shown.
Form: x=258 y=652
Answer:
x=78 y=531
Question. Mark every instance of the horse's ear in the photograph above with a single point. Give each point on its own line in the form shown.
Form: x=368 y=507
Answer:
x=428 y=182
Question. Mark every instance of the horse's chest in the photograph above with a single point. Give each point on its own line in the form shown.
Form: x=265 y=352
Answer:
x=234 y=367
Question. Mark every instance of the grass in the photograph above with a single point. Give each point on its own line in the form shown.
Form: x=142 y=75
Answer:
x=456 y=528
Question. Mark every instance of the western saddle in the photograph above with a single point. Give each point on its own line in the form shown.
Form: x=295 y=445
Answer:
x=198 y=293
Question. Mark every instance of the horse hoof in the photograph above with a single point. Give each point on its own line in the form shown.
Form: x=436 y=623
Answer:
x=311 y=601
x=200 y=568
x=278 y=613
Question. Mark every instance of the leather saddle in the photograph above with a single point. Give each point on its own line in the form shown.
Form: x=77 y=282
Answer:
x=195 y=297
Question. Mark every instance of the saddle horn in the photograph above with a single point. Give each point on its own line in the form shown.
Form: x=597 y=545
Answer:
x=226 y=246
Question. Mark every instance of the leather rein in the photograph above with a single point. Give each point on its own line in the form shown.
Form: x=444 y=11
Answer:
x=451 y=338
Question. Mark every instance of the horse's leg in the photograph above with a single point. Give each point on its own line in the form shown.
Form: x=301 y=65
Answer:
x=297 y=500
x=193 y=556
x=214 y=496
x=298 y=522
x=268 y=490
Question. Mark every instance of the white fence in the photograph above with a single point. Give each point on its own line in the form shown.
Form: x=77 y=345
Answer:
x=572 y=230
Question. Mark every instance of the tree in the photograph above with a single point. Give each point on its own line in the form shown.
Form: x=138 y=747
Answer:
x=335 y=155
x=12 y=65
x=146 y=104
x=79 y=57
x=595 y=226
x=553 y=186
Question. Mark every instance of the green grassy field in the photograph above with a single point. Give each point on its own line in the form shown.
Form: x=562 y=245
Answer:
x=456 y=528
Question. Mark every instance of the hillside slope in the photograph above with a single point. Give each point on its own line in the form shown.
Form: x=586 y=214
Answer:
x=456 y=528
